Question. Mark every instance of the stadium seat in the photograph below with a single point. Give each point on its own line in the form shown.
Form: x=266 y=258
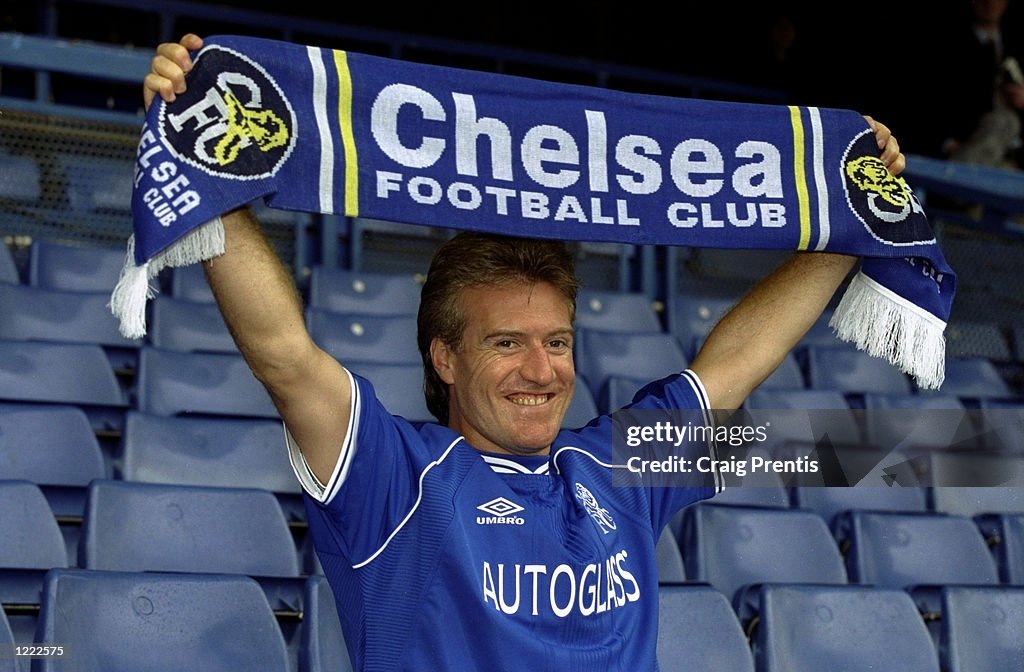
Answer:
x=803 y=416
x=1004 y=534
x=974 y=378
x=754 y=488
x=669 y=559
x=813 y=628
x=363 y=293
x=188 y=326
x=974 y=501
x=917 y=421
x=176 y=383
x=189 y=284
x=8 y=269
x=158 y=623
x=694 y=315
x=7 y=664
x=97 y=184
x=733 y=547
x=215 y=452
x=830 y=502
x=976 y=628
x=1002 y=426
x=399 y=387
x=54 y=265
x=378 y=339
x=68 y=373
x=583 y=408
x=609 y=310
x=31 y=537
x=638 y=356
x=697 y=630
x=21 y=181
x=851 y=371
x=972 y=469
x=138 y=527
x=322 y=643
x=903 y=550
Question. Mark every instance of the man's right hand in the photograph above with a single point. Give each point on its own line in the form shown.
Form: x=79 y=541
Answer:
x=168 y=69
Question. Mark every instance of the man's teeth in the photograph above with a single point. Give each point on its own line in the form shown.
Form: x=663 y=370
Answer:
x=530 y=400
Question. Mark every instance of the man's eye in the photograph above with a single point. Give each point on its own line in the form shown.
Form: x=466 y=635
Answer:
x=505 y=343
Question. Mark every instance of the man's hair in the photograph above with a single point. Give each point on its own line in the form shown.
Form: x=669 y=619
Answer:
x=472 y=259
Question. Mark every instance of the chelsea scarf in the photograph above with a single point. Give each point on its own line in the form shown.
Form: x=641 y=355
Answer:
x=321 y=130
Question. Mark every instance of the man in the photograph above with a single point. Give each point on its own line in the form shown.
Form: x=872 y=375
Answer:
x=492 y=540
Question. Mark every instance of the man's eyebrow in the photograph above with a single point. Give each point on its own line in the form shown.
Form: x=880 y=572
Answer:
x=561 y=331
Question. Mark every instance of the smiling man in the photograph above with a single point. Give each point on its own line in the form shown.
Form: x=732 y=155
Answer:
x=493 y=539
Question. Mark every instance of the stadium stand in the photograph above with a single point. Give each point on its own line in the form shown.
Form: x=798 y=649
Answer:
x=975 y=378
x=1004 y=535
x=21 y=181
x=97 y=184
x=7 y=640
x=693 y=316
x=583 y=408
x=31 y=538
x=830 y=502
x=344 y=291
x=8 y=268
x=159 y=622
x=189 y=283
x=615 y=311
x=322 y=643
x=356 y=338
x=852 y=372
x=399 y=387
x=74 y=268
x=634 y=358
x=188 y=326
x=669 y=559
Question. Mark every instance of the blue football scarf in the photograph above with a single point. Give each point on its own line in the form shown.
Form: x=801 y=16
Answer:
x=320 y=130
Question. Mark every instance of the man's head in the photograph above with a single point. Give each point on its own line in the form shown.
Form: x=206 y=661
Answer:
x=495 y=333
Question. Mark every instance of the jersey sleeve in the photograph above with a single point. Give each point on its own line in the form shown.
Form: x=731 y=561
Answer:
x=373 y=485
x=683 y=397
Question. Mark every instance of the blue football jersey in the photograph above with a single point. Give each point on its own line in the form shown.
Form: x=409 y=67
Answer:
x=443 y=557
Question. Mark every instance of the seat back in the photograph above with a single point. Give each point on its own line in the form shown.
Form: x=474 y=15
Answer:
x=981 y=628
x=829 y=502
x=49 y=445
x=852 y=371
x=813 y=628
x=158 y=623
x=974 y=378
x=322 y=643
x=731 y=547
x=345 y=291
x=36 y=314
x=8 y=269
x=646 y=356
x=77 y=269
x=174 y=383
x=189 y=326
x=900 y=550
x=399 y=387
x=31 y=537
x=214 y=452
x=608 y=310
x=697 y=630
x=70 y=373
x=378 y=339
x=175 y=528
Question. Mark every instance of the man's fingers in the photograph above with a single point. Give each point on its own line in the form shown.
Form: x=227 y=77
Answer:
x=168 y=69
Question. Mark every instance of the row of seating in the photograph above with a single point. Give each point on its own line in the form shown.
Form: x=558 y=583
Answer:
x=807 y=628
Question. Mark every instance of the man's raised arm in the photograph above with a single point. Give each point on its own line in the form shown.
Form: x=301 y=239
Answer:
x=263 y=311
x=753 y=338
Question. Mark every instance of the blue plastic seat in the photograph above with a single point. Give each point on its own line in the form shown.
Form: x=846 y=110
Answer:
x=973 y=469
x=803 y=417
x=830 y=502
x=68 y=373
x=321 y=643
x=917 y=421
x=215 y=452
x=813 y=628
x=973 y=501
x=345 y=291
x=697 y=630
x=1004 y=534
x=7 y=664
x=351 y=338
x=980 y=628
x=97 y=184
x=20 y=179
x=28 y=528
x=1002 y=426
x=902 y=550
x=852 y=371
x=175 y=528
x=159 y=623
x=669 y=559
x=975 y=378
x=35 y=314
x=734 y=547
x=693 y=316
x=177 y=383
x=76 y=269
x=602 y=356
x=583 y=408
x=188 y=326
x=609 y=310
x=399 y=387
x=8 y=269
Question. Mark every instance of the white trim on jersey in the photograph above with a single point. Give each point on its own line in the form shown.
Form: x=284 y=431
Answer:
x=416 y=504
x=502 y=465
x=561 y=450
x=310 y=483
x=705 y=406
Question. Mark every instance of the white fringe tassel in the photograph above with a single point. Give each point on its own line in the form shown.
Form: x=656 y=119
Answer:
x=886 y=325
x=133 y=290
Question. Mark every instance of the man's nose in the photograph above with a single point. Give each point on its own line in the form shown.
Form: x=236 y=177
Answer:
x=537 y=366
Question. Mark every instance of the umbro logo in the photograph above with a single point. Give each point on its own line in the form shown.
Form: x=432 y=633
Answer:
x=500 y=511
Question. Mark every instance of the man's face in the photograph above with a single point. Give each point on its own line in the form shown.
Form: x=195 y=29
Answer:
x=511 y=380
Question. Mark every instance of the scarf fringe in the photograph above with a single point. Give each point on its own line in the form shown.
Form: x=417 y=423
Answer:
x=134 y=288
x=885 y=325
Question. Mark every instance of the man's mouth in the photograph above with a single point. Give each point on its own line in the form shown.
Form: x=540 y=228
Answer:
x=530 y=399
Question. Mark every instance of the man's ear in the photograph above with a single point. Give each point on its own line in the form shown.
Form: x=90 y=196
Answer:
x=441 y=357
